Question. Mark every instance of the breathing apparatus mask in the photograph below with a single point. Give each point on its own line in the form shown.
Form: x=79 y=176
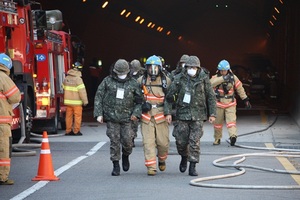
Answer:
x=153 y=71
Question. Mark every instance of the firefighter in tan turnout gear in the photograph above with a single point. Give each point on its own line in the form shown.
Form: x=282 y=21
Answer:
x=225 y=85
x=156 y=114
x=9 y=95
x=75 y=97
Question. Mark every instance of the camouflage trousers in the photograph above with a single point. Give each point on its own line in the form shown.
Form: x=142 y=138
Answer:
x=135 y=126
x=120 y=134
x=5 y=151
x=187 y=135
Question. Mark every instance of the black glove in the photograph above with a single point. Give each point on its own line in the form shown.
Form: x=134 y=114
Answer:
x=146 y=106
x=171 y=99
x=138 y=100
x=247 y=103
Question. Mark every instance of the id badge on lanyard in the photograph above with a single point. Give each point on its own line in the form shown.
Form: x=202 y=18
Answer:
x=187 y=97
x=120 y=93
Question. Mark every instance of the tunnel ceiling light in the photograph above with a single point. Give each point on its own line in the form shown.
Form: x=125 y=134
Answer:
x=137 y=18
x=83 y=1
x=276 y=10
x=149 y=24
x=123 y=12
x=274 y=17
x=104 y=4
x=271 y=23
x=281 y=1
x=153 y=25
x=141 y=21
x=128 y=14
x=169 y=33
x=180 y=38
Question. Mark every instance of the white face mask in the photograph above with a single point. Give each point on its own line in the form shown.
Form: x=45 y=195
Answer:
x=122 y=76
x=192 y=72
x=134 y=73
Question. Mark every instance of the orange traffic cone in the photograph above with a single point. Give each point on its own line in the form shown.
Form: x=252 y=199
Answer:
x=45 y=171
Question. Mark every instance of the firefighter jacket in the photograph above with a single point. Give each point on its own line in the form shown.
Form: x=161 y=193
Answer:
x=154 y=94
x=118 y=99
x=74 y=89
x=225 y=90
x=195 y=99
x=9 y=95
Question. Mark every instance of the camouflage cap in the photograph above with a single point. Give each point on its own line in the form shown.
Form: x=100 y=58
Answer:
x=193 y=61
x=121 y=67
x=136 y=66
x=184 y=58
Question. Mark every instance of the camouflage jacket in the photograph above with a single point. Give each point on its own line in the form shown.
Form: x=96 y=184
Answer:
x=195 y=99
x=117 y=99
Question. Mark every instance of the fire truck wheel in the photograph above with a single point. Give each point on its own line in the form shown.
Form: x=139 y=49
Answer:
x=28 y=123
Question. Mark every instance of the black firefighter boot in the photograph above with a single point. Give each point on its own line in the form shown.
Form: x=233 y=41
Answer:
x=192 y=169
x=116 y=169
x=125 y=163
x=183 y=164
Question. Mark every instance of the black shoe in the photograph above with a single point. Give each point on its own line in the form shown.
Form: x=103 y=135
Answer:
x=78 y=134
x=116 y=169
x=70 y=133
x=183 y=164
x=125 y=163
x=133 y=144
x=232 y=140
x=192 y=169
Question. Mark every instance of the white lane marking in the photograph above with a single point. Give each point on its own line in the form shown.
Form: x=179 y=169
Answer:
x=59 y=171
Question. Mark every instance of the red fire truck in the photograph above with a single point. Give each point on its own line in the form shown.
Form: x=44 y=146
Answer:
x=41 y=53
x=53 y=50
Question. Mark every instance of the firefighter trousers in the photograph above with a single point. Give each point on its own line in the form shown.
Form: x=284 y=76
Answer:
x=229 y=115
x=73 y=114
x=5 y=151
x=155 y=136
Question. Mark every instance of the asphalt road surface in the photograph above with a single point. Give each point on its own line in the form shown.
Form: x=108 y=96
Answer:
x=83 y=166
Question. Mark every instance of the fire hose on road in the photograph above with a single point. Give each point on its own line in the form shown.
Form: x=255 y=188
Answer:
x=277 y=152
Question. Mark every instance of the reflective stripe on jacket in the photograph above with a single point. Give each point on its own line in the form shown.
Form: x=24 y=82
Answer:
x=74 y=89
x=155 y=96
x=9 y=95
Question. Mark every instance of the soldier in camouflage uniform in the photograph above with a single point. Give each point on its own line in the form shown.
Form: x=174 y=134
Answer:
x=179 y=67
x=118 y=102
x=195 y=101
x=136 y=71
